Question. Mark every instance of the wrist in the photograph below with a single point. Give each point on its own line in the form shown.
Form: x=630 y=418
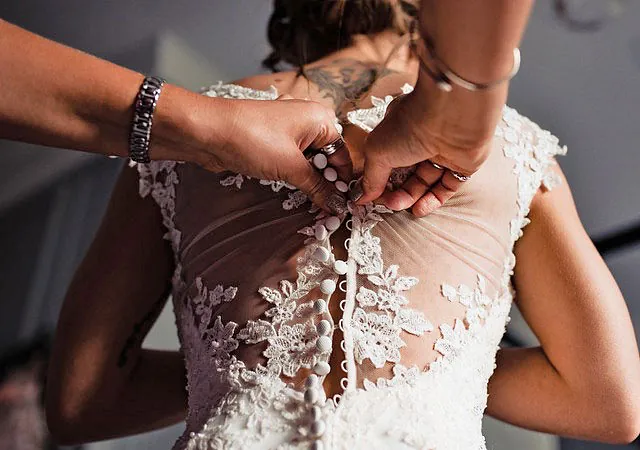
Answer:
x=462 y=118
x=475 y=39
x=186 y=127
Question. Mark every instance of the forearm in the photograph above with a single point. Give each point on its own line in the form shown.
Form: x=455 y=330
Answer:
x=56 y=96
x=476 y=38
x=154 y=396
x=526 y=390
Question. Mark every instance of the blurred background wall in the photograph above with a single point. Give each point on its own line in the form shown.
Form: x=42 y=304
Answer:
x=582 y=85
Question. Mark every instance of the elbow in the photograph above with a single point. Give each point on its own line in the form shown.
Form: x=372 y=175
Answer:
x=625 y=431
x=68 y=416
x=64 y=423
x=629 y=425
x=629 y=412
x=620 y=416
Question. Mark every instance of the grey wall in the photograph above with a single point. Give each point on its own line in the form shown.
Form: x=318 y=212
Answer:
x=583 y=87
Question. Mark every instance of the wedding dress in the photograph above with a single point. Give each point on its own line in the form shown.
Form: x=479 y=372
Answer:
x=423 y=302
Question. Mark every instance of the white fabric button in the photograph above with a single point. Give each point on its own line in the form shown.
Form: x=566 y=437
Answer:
x=320 y=232
x=318 y=428
x=322 y=254
x=311 y=396
x=315 y=413
x=311 y=381
x=330 y=174
x=320 y=161
x=319 y=306
x=317 y=445
x=339 y=128
x=323 y=327
x=321 y=368
x=340 y=267
x=327 y=286
x=332 y=223
x=342 y=186
x=323 y=344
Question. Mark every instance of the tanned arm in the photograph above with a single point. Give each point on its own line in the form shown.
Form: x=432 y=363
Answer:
x=584 y=379
x=101 y=383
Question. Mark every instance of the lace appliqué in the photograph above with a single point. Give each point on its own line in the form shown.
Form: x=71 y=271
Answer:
x=159 y=179
x=219 y=336
x=295 y=199
x=369 y=118
x=475 y=300
x=377 y=335
x=225 y=90
x=532 y=149
x=221 y=341
x=290 y=346
x=257 y=405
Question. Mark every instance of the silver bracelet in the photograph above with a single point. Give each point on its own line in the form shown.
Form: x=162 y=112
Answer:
x=144 y=108
x=445 y=77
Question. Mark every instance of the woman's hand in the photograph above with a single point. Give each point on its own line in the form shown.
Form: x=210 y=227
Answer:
x=87 y=105
x=451 y=129
x=265 y=139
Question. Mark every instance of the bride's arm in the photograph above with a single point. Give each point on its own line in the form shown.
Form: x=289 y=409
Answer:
x=584 y=380
x=101 y=384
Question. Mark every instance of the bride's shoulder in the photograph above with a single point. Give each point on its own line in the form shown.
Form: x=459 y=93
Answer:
x=258 y=87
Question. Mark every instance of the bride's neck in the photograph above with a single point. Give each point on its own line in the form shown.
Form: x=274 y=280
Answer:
x=386 y=47
x=345 y=77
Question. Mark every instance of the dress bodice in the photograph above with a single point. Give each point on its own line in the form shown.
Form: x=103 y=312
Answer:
x=273 y=298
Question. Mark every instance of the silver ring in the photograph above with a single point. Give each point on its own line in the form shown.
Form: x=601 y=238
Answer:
x=330 y=149
x=459 y=176
x=437 y=166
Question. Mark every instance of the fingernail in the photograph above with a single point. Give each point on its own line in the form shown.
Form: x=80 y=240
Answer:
x=337 y=204
x=356 y=192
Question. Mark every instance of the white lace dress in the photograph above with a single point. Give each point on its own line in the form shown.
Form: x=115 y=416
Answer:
x=408 y=319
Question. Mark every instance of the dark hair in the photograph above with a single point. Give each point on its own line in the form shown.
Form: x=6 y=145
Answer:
x=303 y=31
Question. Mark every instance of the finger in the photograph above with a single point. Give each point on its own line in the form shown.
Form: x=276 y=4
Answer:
x=341 y=161
x=325 y=122
x=320 y=191
x=412 y=190
x=372 y=183
x=439 y=194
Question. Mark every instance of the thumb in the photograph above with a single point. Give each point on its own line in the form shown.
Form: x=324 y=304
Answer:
x=373 y=182
x=327 y=129
x=321 y=192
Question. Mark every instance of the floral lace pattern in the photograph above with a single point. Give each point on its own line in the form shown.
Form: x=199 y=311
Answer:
x=256 y=407
x=290 y=341
x=377 y=335
x=367 y=119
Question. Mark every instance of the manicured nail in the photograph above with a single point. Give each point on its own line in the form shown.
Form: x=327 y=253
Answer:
x=337 y=204
x=356 y=192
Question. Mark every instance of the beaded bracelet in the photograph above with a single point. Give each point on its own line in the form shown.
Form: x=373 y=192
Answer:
x=144 y=107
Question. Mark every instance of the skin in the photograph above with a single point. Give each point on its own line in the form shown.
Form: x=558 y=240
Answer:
x=60 y=97
x=475 y=39
x=583 y=381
